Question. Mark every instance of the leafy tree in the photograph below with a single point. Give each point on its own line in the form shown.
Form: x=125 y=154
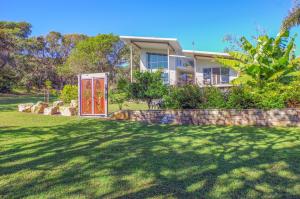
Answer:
x=12 y=36
x=269 y=60
x=147 y=86
x=293 y=18
x=120 y=94
x=92 y=55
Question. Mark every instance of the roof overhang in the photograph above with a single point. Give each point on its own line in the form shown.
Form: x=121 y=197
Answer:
x=205 y=54
x=152 y=42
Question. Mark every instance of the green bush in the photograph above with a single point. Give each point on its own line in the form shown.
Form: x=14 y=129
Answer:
x=184 y=97
x=213 y=98
x=240 y=97
x=272 y=95
x=69 y=92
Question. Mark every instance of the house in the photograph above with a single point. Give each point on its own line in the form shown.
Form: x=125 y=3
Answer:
x=180 y=66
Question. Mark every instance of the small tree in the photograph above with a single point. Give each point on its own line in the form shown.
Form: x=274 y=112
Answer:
x=147 y=86
x=119 y=95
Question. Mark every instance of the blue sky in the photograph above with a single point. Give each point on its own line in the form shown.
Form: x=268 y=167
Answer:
x=204 y=21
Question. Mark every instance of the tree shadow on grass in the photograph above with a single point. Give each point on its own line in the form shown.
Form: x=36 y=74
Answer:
x=108 y=159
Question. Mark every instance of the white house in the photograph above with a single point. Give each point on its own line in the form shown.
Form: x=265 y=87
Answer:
x=180 y=66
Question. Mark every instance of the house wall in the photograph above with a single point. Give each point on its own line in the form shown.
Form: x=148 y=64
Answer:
x=143 y=63
x=201 y=63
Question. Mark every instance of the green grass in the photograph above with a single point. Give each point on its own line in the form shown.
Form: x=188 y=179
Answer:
x=70 y=157
x=10 y=102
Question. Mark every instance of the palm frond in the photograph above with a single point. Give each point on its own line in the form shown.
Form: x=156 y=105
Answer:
x=293 y=19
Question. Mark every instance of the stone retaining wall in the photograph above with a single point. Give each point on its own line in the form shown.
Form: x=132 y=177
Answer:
x=256 y=117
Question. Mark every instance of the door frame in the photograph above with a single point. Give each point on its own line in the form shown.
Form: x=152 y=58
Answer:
x=93 y=76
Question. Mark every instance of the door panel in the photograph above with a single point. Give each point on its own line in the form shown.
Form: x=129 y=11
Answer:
x=99 y=96
x=86 y=96
x=216 y=75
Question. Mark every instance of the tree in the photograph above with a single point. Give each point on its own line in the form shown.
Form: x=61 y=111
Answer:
x=12 y=36
x=269 y=60
x=120 y=94
x=147 y=86
x=92 y=55
x=293 y=18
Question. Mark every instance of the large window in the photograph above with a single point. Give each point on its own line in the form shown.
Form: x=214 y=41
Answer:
x=156 y=61
x=215 y=76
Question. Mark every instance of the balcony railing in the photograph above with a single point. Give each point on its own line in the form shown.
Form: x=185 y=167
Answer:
x=181 y=62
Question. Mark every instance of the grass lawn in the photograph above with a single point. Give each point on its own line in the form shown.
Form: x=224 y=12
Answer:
x=70 y=157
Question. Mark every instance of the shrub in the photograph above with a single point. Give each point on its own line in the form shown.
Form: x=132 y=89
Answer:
x=120 y=94
x=240 y=97
x=213 y=98
x=270 y=96
x=293 y=95
x=184 y=97
x=69 y=92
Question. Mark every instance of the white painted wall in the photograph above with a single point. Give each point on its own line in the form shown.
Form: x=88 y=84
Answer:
x=143 y=63
x=200 y=64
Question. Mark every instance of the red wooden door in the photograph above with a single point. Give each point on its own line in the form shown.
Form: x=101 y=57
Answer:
x=99 y=96
x=86 y=97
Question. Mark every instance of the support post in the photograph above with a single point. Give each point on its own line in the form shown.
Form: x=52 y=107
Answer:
x=169 y=66
x=195 y=70
x=131 y=63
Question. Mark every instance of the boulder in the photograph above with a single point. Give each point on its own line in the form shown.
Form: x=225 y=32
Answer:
x=74 y=104
x=52 y=110
x=25 y=107
x=39 y=107
x=58 y=103
x=67 y=111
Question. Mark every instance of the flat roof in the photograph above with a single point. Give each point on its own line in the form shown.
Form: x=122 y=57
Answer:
x=163 y=43
x=152 y=42
x=205 y=53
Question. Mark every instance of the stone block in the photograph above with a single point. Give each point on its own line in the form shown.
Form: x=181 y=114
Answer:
x=39 y=107
x=52 y=110
x=58 y=103
x=25 y=107
x=67 y=111
x=74 y=103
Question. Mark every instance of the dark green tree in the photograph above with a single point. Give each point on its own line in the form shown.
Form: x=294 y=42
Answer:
x=147 y=86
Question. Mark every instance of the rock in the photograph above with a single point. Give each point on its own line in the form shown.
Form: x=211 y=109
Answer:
x=67 y=111
x=58 y=103
x=121 y=115
x=74 y=104
x=25 y=107
x=39 y=107
x=52 y=110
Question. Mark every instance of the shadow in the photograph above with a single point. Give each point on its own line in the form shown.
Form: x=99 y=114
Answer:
x=108 y=159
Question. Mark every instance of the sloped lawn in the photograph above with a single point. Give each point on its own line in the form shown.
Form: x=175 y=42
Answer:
x=70 y=157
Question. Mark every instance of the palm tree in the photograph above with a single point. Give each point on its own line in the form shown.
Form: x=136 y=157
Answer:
x=270 y=60
x=293 y=19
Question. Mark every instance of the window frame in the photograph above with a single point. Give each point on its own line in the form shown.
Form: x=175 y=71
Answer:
x=160 y=58
x=220 y=76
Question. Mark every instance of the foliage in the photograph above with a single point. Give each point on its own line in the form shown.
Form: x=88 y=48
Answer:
x=240 y=97
x=147 y=86
x=69 y=92
x=213 y=97
x=270 y=60
x=183 y=97
x=94 y=54
x=293 y=19
x=7 y=79
x=120 y=94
